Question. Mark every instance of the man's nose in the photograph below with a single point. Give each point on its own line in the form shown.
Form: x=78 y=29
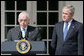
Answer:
x=23 y=22
x=63 y=15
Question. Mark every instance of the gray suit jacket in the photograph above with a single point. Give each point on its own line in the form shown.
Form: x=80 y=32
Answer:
x=32 y=34
x=73 y=44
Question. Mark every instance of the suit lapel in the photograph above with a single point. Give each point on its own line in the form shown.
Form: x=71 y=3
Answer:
x=70 y=31
x=28 y=32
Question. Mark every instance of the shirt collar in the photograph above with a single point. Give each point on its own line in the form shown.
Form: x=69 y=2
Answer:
x=24 y=28
x=70 y=21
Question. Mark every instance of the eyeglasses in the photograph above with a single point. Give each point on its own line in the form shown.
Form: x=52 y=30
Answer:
x=23 y=20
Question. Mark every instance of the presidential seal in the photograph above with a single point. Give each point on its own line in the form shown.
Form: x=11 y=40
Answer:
x=23 y=46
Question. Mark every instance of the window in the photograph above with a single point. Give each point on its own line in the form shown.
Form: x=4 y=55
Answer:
x=44 y=14
x=47 y=16
x=12 y=9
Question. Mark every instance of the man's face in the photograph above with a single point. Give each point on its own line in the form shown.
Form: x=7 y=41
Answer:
x=23 y=21
x=66 y=16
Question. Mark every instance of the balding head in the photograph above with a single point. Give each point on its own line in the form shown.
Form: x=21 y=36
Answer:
x=23 y=19
x=24 y=13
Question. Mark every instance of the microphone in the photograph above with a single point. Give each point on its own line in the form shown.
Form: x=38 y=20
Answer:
x=20 y=36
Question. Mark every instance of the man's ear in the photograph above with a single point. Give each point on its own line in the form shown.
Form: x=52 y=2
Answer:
x=28 y=21
x=72 y=15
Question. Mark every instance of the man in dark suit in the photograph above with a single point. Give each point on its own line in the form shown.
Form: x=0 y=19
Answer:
x=24 y=31
x=67 y=38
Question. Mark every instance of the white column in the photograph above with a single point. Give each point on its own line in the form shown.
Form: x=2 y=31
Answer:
x=61 y=5
x=31 y=9
x=2 y=21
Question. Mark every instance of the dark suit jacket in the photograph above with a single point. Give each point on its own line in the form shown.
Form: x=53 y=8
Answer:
x=32 y=34
x=73 y=44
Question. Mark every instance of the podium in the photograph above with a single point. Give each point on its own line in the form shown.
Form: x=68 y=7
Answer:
x=37 y=47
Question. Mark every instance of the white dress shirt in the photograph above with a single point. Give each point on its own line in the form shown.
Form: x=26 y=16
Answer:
x=69 y=23
x=23 y=32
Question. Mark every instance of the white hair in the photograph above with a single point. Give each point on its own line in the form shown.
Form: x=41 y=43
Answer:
x=22 y=13
x=72 y=9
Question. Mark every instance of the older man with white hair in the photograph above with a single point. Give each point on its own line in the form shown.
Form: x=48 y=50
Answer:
x=24 y=31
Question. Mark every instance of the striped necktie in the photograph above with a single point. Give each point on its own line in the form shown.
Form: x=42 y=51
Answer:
x=65 y=30
x=23 y=33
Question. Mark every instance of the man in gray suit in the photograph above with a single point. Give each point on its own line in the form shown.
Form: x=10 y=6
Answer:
x=67 y=38
x=24 y=31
